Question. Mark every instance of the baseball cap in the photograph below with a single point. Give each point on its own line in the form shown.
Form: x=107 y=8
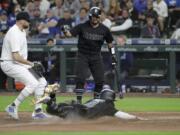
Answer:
x=23 y=16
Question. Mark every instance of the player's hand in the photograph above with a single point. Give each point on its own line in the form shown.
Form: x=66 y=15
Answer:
x=114 y=60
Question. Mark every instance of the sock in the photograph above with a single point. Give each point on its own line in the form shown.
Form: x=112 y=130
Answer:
x=79 y=93
x=24 y=93
x=39 y=105
x=79 y=99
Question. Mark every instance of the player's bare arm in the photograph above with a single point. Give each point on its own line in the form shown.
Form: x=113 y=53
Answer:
x=17 y=57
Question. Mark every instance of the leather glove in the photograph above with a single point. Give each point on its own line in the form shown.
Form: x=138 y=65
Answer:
x=65 y=28
x=38 y=68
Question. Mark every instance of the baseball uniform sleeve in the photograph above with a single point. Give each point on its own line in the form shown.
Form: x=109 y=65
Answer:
x=76 y=30
x=108 y=36
x=15 y=42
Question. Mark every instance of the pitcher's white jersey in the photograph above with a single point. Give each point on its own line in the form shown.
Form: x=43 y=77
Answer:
x=14 y=41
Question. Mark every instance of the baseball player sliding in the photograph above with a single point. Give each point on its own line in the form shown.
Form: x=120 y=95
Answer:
x=94 y=108
x=14 y=63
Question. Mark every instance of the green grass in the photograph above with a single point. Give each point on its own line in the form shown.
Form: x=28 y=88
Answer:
x=148 y=104
x=129 y=104
x=93 y=133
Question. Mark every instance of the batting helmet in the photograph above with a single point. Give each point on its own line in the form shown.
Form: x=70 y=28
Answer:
x=108 y=94
x=95 y=11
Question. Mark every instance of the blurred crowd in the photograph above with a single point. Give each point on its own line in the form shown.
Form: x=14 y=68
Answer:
x=130 y=18
x=134 y=18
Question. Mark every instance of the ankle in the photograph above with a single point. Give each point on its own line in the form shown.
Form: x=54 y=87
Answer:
x=38 y=110
x=13 y=104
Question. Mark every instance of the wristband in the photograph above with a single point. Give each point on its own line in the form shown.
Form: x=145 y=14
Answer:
x=112 y=50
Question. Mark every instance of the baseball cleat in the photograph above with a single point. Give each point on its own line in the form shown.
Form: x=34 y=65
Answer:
x=40 y=116
x=43 y=100
x=12 y=111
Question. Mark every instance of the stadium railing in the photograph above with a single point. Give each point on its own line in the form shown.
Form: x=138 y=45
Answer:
x=170 y=46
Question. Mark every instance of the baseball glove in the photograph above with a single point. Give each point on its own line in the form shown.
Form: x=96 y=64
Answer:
x=38 y=68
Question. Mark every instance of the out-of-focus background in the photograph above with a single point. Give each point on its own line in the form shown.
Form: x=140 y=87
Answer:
x=147 y=39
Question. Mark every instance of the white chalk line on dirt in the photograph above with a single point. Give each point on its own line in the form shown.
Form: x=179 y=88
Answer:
x=41 y=123
x=164 y=118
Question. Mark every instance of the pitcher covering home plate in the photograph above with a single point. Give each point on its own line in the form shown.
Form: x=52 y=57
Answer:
x=14 y=64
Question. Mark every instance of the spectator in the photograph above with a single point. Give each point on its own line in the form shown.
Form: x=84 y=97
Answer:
x=47 y=28
x=103 y=4
x=107 y=22
x=85 y=4
x=51 y=63
x=161 y=9
x=174 y=11
x=3 y=23
x=126 y=23
x=133 y=13
x=123 y=3
x=126 y=59
x=35 y=22
x=82 y=17
x=5 y=5
x=150 y=30
x=140 y=5
x=22 y=3
x=73 y=6
x=37 y=4
x=114 y=11
x=150 y=10
x=12 y=16
x=66 y=20
x=58 y=8
x=30 y=8
x=176 y=33
x=96 y=3
x=44 y=7
x=126 y=63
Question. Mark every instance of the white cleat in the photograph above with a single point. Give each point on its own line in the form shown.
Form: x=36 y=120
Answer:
x=12 y=111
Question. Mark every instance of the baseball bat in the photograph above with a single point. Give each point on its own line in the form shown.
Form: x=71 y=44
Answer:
x=117 y=79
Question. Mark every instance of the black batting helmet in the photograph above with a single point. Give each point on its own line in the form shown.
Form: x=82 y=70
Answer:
x=108 y=94
x=95 y=11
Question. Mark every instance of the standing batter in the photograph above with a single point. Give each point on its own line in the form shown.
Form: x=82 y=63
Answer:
x=14 y=63
x=91 y=37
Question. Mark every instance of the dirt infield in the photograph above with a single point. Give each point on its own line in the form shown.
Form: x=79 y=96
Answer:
x=157 y=121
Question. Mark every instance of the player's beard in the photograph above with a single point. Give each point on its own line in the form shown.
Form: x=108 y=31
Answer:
x=25 y=26
x=94 y=23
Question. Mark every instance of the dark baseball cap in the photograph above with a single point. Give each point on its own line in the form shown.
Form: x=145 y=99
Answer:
x=23 y=16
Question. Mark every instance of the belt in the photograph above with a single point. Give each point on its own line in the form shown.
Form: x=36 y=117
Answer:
x=1 y=60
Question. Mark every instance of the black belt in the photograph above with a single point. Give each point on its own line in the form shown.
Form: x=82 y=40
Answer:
x=1 y=60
